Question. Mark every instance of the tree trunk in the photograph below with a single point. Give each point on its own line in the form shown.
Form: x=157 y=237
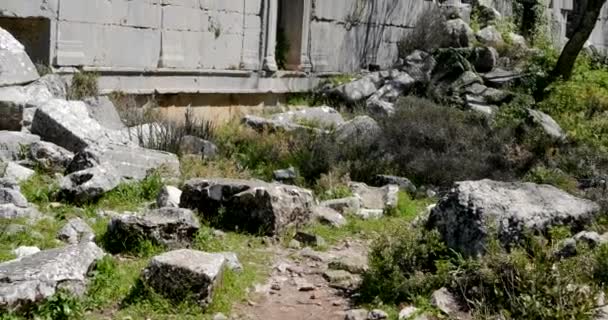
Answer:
x=587 y=23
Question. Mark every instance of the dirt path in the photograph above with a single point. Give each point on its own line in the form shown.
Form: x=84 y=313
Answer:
x=307 y=284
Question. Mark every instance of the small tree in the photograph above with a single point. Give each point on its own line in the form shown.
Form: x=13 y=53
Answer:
x=590 y=10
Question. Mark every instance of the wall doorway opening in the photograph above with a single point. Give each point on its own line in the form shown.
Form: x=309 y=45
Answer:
x=34 y=34
x=290 y=31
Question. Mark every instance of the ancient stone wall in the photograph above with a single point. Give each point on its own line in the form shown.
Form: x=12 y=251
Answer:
x=349 y=34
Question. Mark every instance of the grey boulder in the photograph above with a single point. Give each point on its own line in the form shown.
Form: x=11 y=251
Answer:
x=14 y=171
x=324 y=117
x=359 y=89
x=466 y=216
x=36 y=277
x=197 y=146
x=168 y=197
x=252 y=206
x=375 y=198
x=362 y=130
x=461 y=35
x=128 y=162
x=12 y=196
x=75 y=231
x=490 y=36
x=349 y=205
x=102 y=110
x=50 y=157
x=89 y=185
x=171 y=227
x=547 y=123
x=68 y=124
x=404 y=184
x=329 y=216
x=185 y=273
x=13 y=145
x=16 y=67
x=18 y=103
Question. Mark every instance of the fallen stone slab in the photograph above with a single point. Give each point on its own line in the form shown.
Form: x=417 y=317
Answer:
x=404 y=184
x=171 y=227
x=12 y=196
x=287 y=176
x=16 y=67
x=321 y=117
x=102 y=109
x=499 y=78
x=350 y=205
x=468 y=213
x=329 y=216
x=261 y=124
x=13 y=144
x=184 y=274
x=355 y=264
x=359 y=89
x=11 y=211
x=75 y=231
x=68 y=124
x=50 y=157
x=16 y=172
x=128 y=162
x=248 y=205
x=168 y=197
x=33 y=278
x=18 y=103
x=89 y=185
x=375 y=198
x=24 y=251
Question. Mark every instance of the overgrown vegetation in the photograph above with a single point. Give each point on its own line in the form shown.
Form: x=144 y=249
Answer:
x=429 y=34
x=84 y=84
x=529 y=282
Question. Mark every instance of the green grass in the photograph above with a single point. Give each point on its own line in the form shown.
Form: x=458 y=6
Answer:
x=117 y=286
x=40 y=234
x=407 y=210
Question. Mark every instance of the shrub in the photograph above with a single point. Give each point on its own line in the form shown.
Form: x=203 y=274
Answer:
x=580 y=106
x=168 y=135
x=84 y=84
x=61 y=306
x=529 y=282
x=404 y=264
x=552 y=176
x=430 y=33
x=437 y=145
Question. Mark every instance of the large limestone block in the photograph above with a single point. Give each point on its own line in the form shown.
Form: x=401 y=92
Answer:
x=316 y=116
x=103 y=110
x=90 y=184
x=375 y=198
x=171 y=227
x=13 y=144
x=185 y=273
x=128 y=162
x=473 y=209
x=252 y=206
x=16 y=67
x=68 y=124
x=36 y=277
x=50 y=157
x=18 y=103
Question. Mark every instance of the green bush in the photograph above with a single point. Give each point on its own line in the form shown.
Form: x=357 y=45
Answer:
x=580 y=106
x=528 y=282
x=430 y=33
x=433 y=144
x=404 y=264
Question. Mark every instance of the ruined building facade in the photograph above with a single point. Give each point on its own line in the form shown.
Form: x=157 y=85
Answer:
x=221 y=46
